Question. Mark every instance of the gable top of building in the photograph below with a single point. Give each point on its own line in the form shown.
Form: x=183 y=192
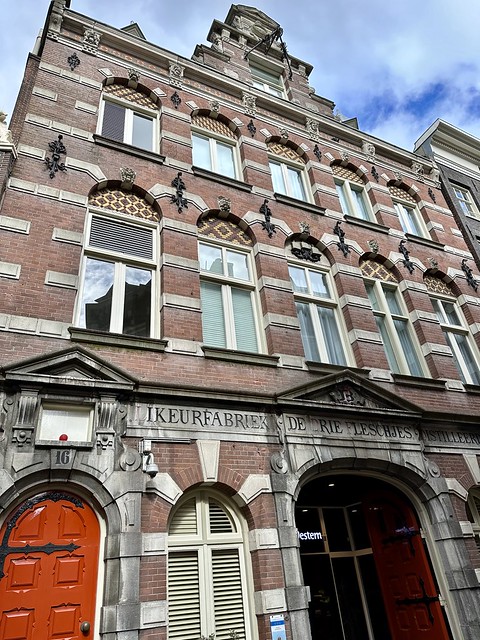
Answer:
x=133 y=29
x=251 y=25
x=245 y=25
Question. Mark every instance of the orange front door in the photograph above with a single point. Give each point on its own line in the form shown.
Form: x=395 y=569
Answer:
x=48 y=569
x=409 y=590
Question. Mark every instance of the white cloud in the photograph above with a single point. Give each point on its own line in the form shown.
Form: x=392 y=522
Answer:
x=375 y=59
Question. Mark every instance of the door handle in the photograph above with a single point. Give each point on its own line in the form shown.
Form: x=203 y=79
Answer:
x=85 y=627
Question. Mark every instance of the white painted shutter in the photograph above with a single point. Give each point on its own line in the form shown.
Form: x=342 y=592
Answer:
x=114 y=235
x=227 y=594
x=184 y=522
x=183 y=596
x=219 y=519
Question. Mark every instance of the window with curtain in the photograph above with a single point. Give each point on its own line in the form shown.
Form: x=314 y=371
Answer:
x=117 y=287
x=351 y=193
x=455 y=329
x=229 y=317
x=399 y=341
x=323 y=335
x=407 y=212
x=214 y=146
x=207 y=585
x=287 y=168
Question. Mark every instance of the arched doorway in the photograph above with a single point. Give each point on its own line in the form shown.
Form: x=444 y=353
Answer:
x=48 y=569
x=365 y=561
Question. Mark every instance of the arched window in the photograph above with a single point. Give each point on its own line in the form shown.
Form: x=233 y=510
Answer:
x=288 y=171
x=228 y=286
x=399 y=341
x=130 y=116
x=214 y=146
x=351 y=192
x=455 y=329
x=323 y=334
x=407 y=211
x=207 y=585
x=118 y=274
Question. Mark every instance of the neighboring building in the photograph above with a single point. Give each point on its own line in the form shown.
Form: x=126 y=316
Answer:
x=457 y=154
x=239 y=356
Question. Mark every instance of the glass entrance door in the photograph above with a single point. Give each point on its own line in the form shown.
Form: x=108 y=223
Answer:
x=366 y=563
x=337 y=563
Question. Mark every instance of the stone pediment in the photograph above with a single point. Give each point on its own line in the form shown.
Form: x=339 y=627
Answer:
x=75 y=367
x=349 y=391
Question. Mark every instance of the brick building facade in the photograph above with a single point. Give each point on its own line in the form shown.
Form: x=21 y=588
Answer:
x=239 y=355
x=457 y=155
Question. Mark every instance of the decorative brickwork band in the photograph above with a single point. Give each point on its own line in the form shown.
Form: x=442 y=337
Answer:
x=123 y=202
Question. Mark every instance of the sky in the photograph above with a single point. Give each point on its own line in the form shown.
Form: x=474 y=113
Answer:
x=396 y=66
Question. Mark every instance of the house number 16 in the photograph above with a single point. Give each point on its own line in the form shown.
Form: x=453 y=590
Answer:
x=63 y=457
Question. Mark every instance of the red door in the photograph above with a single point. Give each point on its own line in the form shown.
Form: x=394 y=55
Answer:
x=409 y=590
x=48 y=569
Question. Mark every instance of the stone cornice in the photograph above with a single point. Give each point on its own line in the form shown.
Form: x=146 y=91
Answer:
x=195 y=71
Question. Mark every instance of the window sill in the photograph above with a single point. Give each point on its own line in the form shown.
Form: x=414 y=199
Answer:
x=151 y=156
x=367 y=224
x=63 y=444
x=117 y=339
x=300 y=204
x=417 y=381
x=217 y=177
x=245 y=357
x=425 y=241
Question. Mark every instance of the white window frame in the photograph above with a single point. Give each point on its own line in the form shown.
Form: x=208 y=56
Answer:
x=383 y=315
x=461 y=329
x=271 y=81
x=130 y=110
x=330 y=302
x=214 y=139
x=56 y=419
x=227 y=283
x=204 y=543
x=465 y=201
x=349 y=203
x=418 y=227
x=298 y=168
x=120 y=260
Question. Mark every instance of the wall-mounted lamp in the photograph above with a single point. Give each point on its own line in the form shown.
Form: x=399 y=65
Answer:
x=149 y=465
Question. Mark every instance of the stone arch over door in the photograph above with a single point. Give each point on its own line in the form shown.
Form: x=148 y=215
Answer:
x=424 y=494
x=365 y=561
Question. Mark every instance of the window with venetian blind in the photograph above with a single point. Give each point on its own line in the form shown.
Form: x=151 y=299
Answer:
x=207 y=587
x=129 y=116
x=117 y=283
